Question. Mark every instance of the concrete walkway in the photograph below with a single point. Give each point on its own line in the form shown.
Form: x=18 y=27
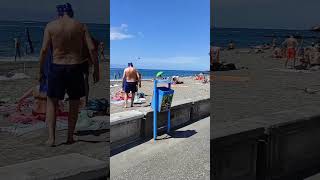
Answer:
x=183 y=156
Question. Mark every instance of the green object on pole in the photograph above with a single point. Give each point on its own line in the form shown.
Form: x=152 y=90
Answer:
x=159 y=74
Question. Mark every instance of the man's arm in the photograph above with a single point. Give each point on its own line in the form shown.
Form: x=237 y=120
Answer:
x=93 y=54
x=123 y=78
x=44 y=49
x=139 y=79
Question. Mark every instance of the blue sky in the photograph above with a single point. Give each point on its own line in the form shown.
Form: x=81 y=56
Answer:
x=165 y=34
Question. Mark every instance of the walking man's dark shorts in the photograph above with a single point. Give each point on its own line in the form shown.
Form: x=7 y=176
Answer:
x=66 y=79
x=130 y=86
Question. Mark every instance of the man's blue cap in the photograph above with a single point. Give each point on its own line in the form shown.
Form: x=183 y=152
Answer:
x=68 y=9
x=60 y=10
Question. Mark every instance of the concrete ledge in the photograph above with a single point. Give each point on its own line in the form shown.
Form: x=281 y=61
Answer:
x=125 y=127
x=234 y=150
x=125 y=116
x=200 y=109
x=67 y=167
x=292 y=144
x=128 y=126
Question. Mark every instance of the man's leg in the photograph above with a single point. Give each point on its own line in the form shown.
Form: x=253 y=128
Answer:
x=126 y=99
x=52 y=104
x=86 y=81
x=72 y=119
x=19 y=54
x=15 y=56
x=132 y=98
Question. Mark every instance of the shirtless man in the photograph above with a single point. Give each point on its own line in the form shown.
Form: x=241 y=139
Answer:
x=130 y=81
x=291 y=44
x=67 y=38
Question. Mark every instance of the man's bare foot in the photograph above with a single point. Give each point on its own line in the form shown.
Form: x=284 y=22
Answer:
x=70 y=141
x=50 y=143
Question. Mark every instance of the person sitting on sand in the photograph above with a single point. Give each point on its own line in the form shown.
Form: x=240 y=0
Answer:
x=231 y=45
x=175 y=80
x=315 y=57
x=214 y=57
x=258 y=49
x=130 y=81
x=40 y=101
x=277 y=53
x=291 y=44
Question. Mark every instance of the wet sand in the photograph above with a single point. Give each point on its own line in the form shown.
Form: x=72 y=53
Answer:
x=268 y=87
x=190 y=89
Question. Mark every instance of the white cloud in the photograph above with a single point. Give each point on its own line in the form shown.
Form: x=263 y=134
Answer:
x=120 y=33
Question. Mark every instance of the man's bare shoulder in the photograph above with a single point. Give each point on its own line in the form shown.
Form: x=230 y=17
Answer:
x=52 y=23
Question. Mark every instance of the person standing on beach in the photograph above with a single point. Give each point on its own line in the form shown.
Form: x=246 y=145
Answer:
x=17 y=48
x=29 y=42
x=67 y=37
x=291 y=44
x=231 y=45
x=130 y=81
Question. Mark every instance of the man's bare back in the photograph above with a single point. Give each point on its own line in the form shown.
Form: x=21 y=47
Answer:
x=131 y=74
x=68 y=38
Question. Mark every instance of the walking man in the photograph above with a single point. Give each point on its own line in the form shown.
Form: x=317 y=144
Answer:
x=130 y=81
x=67 y=37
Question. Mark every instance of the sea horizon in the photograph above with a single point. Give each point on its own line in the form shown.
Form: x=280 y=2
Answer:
x=116 y=73
x=246 y=37
x=16 y=29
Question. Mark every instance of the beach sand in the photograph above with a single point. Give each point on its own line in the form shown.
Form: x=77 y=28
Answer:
x=14 y=89
x=265 y=87
x=16 y=149
x=190 y=89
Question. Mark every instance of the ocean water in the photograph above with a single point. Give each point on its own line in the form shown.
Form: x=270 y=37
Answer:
x=245 y=38
x=151 y=73
x=16 y=29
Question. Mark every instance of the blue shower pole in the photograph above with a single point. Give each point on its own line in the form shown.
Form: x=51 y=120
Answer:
x=169 y=114
x=155 y=109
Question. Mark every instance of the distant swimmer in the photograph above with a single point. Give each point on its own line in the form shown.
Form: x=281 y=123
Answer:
x=17 y=46
x=291 y=44
x=130 y=81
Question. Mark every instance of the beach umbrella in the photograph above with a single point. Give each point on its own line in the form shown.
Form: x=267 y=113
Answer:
x=159 y=74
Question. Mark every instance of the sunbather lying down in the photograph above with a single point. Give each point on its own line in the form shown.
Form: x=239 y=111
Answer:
x=175 y=80
x=40 y=102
